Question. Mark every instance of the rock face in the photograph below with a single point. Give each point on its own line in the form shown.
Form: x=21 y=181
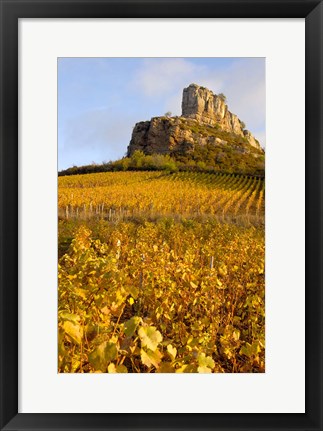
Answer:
x=205 y=120
x=208 y=108
x=160 y=135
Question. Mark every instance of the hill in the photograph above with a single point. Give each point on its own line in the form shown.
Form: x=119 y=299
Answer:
x=206 y=137
x=207 y=133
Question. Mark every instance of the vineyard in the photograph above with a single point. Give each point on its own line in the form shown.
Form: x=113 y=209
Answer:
x=124 y=195
x=161 y=272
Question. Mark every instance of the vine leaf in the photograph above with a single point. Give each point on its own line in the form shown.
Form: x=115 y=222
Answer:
x=166 y=367
x=131 y=325
x=206 y=363
x=172 y=351
x=149 y=358
x=150 y=337
x=103 y=355
x=74 y=331
x=112 y=368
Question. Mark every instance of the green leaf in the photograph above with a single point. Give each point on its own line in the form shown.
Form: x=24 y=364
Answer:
x=74 y=331
x=150 y=337
x=131 y=325
x=103 y=355
x=149 y=358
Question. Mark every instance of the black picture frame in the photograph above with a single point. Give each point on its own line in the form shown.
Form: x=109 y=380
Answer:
x=11 y=11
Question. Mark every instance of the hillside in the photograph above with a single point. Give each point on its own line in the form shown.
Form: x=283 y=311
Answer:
x=207 y=132
x=207 y=137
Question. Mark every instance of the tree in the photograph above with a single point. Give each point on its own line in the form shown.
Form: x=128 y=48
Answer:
x=243 y=125
x=168 y=114
x=137 y=159
x=222 y=97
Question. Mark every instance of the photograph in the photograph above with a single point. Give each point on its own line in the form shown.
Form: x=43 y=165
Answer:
x=161 y=214
x=176 y=149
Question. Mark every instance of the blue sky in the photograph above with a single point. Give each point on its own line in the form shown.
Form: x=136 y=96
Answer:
x=101 y=99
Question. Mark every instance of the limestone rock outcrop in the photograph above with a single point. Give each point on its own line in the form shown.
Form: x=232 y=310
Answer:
x=208 y=108
x=205 y=120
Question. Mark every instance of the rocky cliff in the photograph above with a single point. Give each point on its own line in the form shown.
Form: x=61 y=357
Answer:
x=205 y=120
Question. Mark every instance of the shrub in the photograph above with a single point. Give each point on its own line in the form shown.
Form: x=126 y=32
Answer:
x=222 y=97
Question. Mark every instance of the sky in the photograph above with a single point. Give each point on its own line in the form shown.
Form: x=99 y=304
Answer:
x=101 y=99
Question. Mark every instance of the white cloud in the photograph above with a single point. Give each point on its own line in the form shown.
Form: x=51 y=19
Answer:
x=163 y=76
x=164 y=79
